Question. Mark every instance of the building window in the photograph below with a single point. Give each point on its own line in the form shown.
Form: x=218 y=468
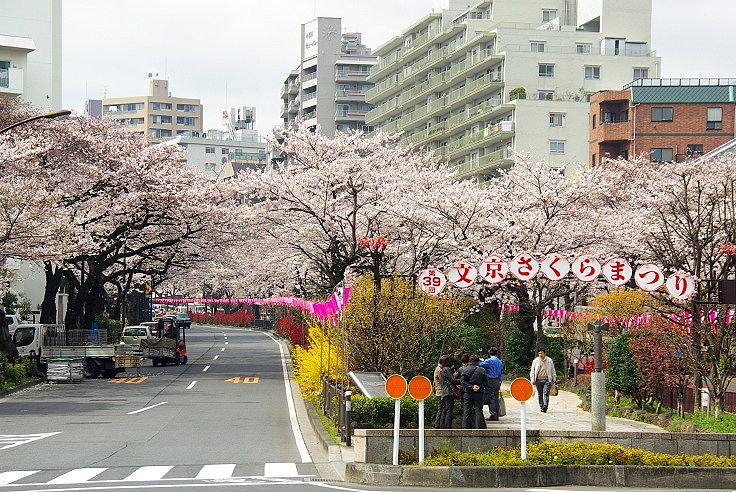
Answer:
x=661 y=155
x=158 y=119
x=209 y=150
x=715 y=119
x=549 y=14
x=557 y=119
x=556 y=146
x=546 y=95
x=185 y=120
x=225 y=151
x=641 y=73
x=537 y=47
x=160 y=106
x=592 y=73
x=595 y=121
x=662 y=114
x=546 y=70
x=159 y=133
x=187 y=108
x=584 y=48
x=592 y=160
x=210 y=166
x=694 y=149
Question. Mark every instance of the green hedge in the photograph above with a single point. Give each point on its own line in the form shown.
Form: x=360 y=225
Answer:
x=378 y=413
x=576 y=453
x=15 y=374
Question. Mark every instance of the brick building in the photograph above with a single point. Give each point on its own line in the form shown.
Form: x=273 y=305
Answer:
x=663 y=119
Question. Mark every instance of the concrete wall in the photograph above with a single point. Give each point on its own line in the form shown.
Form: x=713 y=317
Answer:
x=39 y=20
x=629 y=19
x=375 y=445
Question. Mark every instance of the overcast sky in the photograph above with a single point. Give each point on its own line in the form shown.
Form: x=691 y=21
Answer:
x=202 y=46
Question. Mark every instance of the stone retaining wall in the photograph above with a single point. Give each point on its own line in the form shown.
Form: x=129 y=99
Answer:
x=542 y=476
x=375 y=445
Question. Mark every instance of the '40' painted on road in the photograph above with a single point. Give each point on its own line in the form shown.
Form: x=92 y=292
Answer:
x=245 y=380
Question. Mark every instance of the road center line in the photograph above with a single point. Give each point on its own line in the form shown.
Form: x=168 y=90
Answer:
x=226 y=343
x=206 y=368
x=222 y=349
x=147 y=408
x=191 y=385
x=216 y=357
x=300 y=444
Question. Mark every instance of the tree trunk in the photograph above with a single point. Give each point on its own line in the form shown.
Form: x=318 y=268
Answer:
x=53 y=281
x=7 y=348
x=74 y=305
x=697 y=358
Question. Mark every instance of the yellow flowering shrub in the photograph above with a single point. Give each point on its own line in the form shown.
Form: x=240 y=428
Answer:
x=313 y=360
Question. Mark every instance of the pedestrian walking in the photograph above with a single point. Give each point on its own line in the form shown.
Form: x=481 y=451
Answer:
x=475 y=376
x=448 y=382
x=438 y=392
x=464 y=358
x=544 y=376
x=494 y=372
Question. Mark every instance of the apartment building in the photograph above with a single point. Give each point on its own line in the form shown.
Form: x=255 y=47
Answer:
x=473 y=83
x=663 y=119
x=224 y=152
x=328 y=86
x=30 y=52
x=158 y=115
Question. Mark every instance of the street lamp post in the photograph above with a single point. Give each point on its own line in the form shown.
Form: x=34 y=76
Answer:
x=53 y=115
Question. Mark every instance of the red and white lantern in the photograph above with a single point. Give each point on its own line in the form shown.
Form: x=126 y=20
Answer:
x=649 y=277
x=617 y=271
x=494 y=269
x=524 y=267
x=555 y=266
x=432 y=281
x=462 y=274
x=586 y=268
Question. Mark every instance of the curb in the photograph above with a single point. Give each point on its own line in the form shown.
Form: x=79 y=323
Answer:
x=21 y=387
x=542 y=476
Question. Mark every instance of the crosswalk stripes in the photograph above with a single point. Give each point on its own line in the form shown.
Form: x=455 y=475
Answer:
x=216 y=471
x=155 y=473
x=8 y=441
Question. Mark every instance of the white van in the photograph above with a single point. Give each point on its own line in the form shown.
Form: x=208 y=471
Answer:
x=13 y=322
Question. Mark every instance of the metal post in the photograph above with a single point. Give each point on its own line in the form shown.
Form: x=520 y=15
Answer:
x=348 y=409
x=421 y=432
x=397 y=425
x=523 y=430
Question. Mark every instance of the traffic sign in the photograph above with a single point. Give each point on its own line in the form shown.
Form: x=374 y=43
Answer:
x=396 y=386
x=521 y=389
x=420 y=387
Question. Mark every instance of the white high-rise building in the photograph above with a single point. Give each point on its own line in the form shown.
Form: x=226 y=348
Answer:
x=472 y=82
x=328 y=86
x=30 y=51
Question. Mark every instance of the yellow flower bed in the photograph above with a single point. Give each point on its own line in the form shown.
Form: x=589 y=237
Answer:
x=576 y=453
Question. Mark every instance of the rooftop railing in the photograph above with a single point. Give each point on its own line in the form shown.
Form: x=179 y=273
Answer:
x=670 y=82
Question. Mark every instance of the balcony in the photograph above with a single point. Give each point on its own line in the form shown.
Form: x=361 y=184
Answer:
x=284 y=91
x=294 y=105
x=486 y=83
x=489 y=136
x=284 y=111
x=386 y=88
x=384 y=66
x=612 y=132
x=11 y=81
x=294 y=87
x=435 y=132
x=378 y=112
x=573 y=50
x=474 y=114
x=349 y=95
x=350 y=115
x=488 y=163
x=310 y=76
x=350 y=76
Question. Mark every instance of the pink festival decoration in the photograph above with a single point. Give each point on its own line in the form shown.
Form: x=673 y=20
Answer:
x=329 y=309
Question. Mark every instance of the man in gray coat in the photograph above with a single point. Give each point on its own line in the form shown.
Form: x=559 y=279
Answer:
x=543 y=376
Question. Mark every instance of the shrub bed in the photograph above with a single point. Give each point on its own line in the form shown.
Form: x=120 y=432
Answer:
x=575 y=453
x=378 y=413
x=15 y=374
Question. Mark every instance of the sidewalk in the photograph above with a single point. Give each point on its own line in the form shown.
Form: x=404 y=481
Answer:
x=564 y=414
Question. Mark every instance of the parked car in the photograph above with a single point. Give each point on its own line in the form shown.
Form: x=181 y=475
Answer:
x=132 y=335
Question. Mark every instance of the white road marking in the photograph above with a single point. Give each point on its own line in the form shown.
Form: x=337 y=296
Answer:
x=146 y=473
x=337 y=487
x=216 y=357
x=222 y=349
x=77 y=476
x=300 y=445
x=8 y=441
x=206 y=368
x=191 y=385
x=12 y=476
x=216 y=471
x=226 y=343
x=280 y=470
x=147 y=408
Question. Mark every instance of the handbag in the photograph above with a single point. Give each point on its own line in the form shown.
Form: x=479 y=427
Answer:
x=553 y=389
x=456 y=393
x=501 y=406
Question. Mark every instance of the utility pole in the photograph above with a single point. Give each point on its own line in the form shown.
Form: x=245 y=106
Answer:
x=598 y=379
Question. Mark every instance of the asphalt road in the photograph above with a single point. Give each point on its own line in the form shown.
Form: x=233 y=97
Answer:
x=222 y=417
